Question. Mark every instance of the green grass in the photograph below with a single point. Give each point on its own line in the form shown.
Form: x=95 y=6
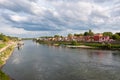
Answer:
x=115 y=46
x=104 y=46
x=4 y=54
x=92 y=44
x=1 y=62
x=2 y=45
x=3 y=76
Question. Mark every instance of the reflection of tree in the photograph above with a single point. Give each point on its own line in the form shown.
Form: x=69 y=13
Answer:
x=116 y=54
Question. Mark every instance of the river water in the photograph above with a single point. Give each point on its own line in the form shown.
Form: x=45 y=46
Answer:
x=43 y=62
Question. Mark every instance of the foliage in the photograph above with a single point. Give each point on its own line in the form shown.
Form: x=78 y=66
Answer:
x=1 y=36
x=103 y=46
x=2 y=45
x=56 y=36
x=7 y=38
x=116 y=37
x=118 y=33
x=90 y=33
x=70 y=35
x=108 y=34
x=3 y=76
x=86 y=34
x=46 y=37
x=109 y=45
x=78 y=35
x=5 y=54
x=74 y=43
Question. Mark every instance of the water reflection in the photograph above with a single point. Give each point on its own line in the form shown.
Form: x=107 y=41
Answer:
x=46 y=62
x=116 y=53
x=20 y=47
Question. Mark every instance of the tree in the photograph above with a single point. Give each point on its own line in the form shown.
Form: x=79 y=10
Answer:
x=108 y=34
x=1 y=36
x=74 y=43
x=5 y=39
x=86 y=34
x=70 y=35
x=81 y=34
x=56 y=36
x=116 y=37
x=78 y=35
x=118 y=33
x=90 y=33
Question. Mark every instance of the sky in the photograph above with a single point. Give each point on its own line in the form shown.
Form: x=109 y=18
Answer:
x=34 y=18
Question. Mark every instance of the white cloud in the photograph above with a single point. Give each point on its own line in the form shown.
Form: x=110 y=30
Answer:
x=37 y=9
x=48 y=17
x=12 y=30
x=2 y=1
x=18 y=18
x=97 y=21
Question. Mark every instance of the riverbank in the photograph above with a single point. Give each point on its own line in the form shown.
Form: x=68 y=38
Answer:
x=81 y=46
x=2 y=45
x=3 y=76
x=85 y=45
x=5 y=53
x=60 y=63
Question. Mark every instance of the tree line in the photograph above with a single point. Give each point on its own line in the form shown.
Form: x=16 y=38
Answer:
x=115 y=36
x=6 y=38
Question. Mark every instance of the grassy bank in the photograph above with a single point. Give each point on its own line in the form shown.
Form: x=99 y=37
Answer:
x=104 y=46
x=3 y=76
x=59 y=42
x=95 y=45
x=2 y=45
x=3 y=57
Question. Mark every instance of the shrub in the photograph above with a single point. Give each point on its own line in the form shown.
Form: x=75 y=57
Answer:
x=74 y=43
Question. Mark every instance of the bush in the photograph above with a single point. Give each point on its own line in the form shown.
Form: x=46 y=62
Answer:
x=74 y=43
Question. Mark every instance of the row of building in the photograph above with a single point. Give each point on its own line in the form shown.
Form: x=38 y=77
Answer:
x=96 y=38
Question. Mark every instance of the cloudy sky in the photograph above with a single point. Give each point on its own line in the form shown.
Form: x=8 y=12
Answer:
x=32 y=18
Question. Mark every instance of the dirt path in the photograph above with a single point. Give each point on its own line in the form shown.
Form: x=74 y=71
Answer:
x=4 y=48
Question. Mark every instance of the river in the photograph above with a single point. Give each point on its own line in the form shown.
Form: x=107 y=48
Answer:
x=42 y=62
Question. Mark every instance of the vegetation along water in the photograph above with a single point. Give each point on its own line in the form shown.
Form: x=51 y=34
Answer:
x=34 y=61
